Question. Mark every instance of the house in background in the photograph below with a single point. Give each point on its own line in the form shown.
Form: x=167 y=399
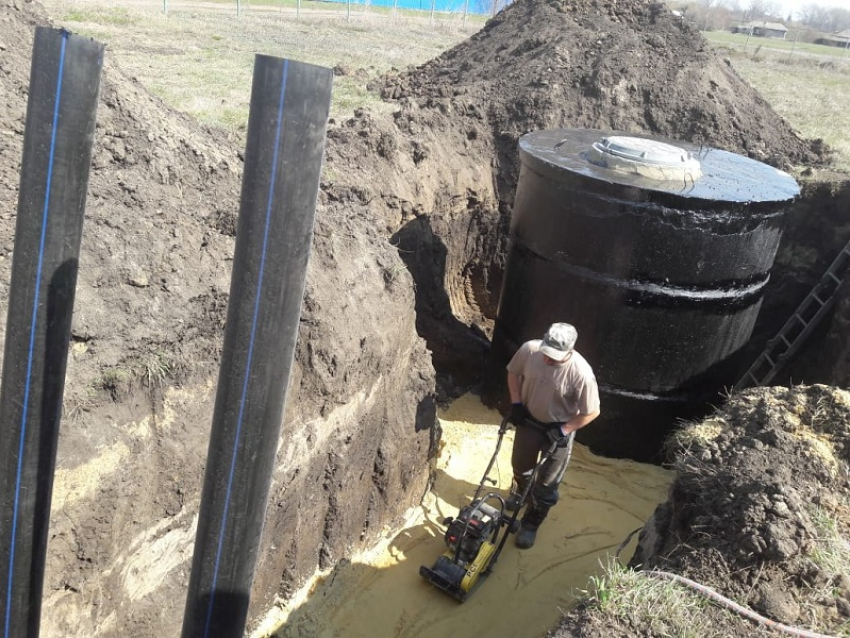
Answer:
x=762 y=29
x=840 y=39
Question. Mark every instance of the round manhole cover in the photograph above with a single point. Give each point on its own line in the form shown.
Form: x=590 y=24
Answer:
x=645 y=157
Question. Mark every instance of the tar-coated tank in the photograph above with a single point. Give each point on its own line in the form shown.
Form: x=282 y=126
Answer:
x=658 y=252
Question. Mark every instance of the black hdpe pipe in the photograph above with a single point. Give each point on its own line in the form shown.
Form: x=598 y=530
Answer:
x=288 y=116
x=63 y=96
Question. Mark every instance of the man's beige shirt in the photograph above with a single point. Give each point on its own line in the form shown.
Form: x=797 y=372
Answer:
x=554 y=393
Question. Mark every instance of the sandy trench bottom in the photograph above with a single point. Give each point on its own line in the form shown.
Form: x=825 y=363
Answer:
x=381 y=594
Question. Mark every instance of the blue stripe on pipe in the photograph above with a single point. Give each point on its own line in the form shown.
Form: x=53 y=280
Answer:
x=32 y=332
x=242 y=400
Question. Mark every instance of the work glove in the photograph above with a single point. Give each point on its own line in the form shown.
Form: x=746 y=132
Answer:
x=555 y=435
x=518 y=414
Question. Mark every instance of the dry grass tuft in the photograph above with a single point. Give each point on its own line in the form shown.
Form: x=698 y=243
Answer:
x=624 y=597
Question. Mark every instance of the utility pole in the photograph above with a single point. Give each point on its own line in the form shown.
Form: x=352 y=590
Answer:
x=165 y=6
x=794 y=46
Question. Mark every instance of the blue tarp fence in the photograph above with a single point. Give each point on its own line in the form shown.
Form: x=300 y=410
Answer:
x=482 y=7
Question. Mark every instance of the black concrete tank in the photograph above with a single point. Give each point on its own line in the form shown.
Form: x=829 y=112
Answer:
x=658 y=252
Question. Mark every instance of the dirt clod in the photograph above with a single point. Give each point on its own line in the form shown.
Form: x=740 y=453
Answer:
x=760 y=499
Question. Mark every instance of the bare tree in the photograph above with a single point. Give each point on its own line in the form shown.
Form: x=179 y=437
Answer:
x=497 y=5
x=839 y=19
x=823 y=18
x=814 y=15
x=763 y=9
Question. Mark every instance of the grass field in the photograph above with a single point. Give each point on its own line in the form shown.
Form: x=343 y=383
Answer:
x=784 y=48
x=198 y=56
x=809 y=88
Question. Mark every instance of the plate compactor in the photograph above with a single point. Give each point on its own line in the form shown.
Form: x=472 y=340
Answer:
x=476 y=536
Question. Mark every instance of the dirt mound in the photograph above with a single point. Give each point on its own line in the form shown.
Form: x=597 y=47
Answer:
x=628 y=65
x=443 y=170
x=151 y=303
x=758 y=511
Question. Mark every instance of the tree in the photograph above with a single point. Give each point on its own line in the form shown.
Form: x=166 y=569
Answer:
x=813 y=15
x=708 y=15
x=839 y=19
x=763 y=9
x=829 y=20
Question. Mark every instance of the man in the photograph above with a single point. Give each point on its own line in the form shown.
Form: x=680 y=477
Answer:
x=555 y=386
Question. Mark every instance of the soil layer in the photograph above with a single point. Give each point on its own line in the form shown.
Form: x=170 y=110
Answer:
x=150 y=307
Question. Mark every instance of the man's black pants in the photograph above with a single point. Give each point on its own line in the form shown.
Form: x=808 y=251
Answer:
x=529 y=444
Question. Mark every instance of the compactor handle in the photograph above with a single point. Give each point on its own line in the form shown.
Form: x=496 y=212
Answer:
x=505 y=425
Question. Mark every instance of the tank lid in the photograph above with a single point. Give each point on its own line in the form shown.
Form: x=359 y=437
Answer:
x=646 y=157
x=722 y=176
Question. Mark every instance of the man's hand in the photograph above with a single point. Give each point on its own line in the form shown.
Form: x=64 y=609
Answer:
x=518 y=414
x=555 y=434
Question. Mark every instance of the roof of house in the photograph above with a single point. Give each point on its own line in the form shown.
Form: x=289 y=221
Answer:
x=841 y=36
x=761 y=24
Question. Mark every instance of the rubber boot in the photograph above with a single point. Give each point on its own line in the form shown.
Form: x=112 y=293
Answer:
x=514 y=502
x=526 y=536
x=527 y=533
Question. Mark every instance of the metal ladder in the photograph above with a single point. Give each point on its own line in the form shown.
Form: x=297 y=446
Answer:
x=795 y=331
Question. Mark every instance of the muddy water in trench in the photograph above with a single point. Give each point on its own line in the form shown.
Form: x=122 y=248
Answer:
x=381 y=594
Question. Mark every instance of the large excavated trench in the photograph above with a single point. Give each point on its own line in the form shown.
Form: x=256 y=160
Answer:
x=408 y=255
x=380 y=592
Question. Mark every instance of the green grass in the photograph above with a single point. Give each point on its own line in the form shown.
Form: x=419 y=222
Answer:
x=831 y=553
x=101 y=15
x=157 y=369
x=114 y=381
x=807 y=84
x=832 y=550
x=200 y=60
x=621 y=597
x=787 y=47
x=628 y=598
x=812 y=94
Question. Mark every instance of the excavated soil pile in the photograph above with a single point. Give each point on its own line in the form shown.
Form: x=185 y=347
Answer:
x=759 y=511
x=443 y=171
x=626 y=65
x=151 y=302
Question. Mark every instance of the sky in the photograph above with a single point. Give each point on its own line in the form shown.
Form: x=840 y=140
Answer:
x=792 y=6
